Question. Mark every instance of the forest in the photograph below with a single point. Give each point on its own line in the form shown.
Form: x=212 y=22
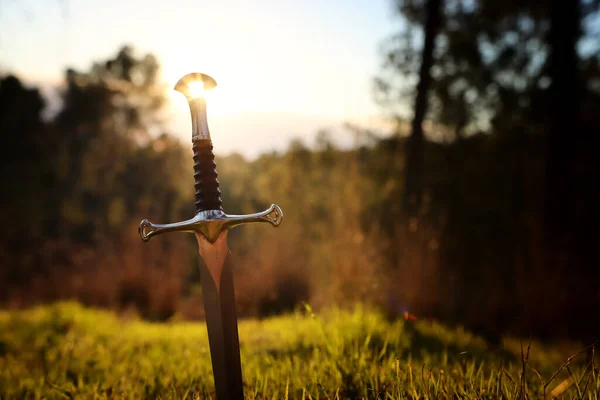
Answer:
x=481 y=207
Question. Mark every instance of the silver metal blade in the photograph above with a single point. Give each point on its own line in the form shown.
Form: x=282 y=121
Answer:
x=216 y=276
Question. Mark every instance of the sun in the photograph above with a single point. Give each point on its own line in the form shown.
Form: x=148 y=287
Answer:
x=193 y=90
x=196 y=89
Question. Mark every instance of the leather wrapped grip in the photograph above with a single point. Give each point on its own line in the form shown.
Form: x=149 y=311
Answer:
x=208 y=194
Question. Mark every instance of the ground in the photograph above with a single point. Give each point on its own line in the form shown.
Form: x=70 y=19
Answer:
x=65 y=350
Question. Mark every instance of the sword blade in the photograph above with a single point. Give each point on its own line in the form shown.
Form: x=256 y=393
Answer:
x=216 y=277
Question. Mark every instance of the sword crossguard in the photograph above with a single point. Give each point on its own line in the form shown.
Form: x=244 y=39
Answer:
x=211 y=223
x=210 y=220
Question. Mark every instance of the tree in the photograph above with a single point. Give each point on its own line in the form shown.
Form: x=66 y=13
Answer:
x=564 y=128
x=511 y=82
x=108 y=113
x=26 y=154
x=414 y=150
x=27 y=178
x=79 y=185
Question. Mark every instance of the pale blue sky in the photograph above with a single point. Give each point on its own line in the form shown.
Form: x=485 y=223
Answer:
x=284 y=68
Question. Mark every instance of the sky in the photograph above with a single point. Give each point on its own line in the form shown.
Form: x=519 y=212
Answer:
x=285 y=69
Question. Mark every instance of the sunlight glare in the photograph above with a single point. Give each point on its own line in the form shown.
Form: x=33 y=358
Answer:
x=196 y=89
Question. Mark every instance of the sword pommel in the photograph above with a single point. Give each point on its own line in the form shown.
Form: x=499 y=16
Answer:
x=193 y=84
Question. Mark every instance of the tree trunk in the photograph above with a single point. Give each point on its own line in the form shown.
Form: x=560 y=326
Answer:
x=563 y=134
x=415 y=144
x=563 y=129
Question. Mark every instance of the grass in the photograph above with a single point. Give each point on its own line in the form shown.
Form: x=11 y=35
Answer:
x=67 y=351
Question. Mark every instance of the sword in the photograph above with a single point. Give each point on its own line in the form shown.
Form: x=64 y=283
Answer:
x=210 y=226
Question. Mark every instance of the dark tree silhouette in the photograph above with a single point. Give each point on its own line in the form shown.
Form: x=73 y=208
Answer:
x=564 y=128
x=414 y=147
x=514 y=81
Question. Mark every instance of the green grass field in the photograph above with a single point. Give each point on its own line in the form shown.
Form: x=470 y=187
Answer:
x=68 y=351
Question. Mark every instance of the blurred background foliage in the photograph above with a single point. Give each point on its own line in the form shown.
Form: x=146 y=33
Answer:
x=480 y=208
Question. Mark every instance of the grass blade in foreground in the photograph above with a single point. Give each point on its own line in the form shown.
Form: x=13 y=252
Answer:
x=48 y=351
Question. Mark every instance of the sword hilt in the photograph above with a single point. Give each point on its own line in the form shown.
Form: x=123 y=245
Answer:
x=208 y=195
x=210 y=220
x=211 y=223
